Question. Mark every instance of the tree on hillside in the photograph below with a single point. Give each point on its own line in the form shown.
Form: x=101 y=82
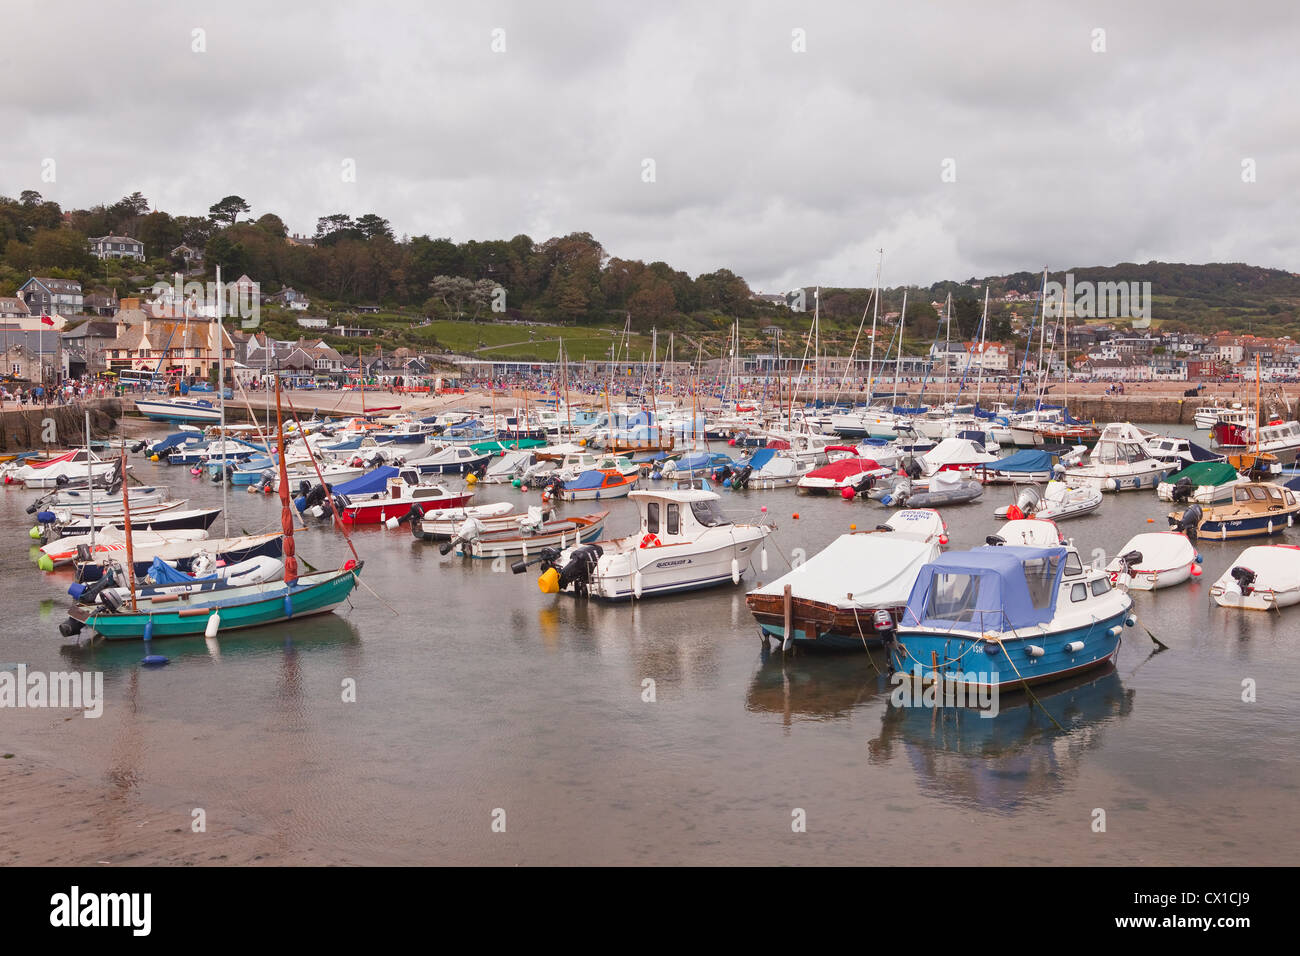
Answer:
x=335 y=228
x=456 y=293
x=372 y=226
x=160 y=234
x=29 y=198
x=195 y=230
x=273 y=224
x=227 y=210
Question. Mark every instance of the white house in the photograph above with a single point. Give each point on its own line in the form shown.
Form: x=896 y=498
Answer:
x=117 y=247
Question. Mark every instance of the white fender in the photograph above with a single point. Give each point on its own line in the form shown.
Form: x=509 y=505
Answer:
x=1074 y=647
x=735 y=571
x=636 y=585
x=214 y=622
x=762 y=559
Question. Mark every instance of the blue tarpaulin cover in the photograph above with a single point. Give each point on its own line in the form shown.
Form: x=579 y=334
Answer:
x=369 y=483
x=586 y=480
x=991 y=588
x=1025 y=460
x=163 y=573
x=759 y=459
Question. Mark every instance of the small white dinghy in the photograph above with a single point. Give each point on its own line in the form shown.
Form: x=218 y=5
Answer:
x=1061 y=501
x=1265 y=577
x=1154 y=560
x=1030 y=532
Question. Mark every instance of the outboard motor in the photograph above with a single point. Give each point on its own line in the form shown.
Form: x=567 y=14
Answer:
x=741 y=478
x=1245 y=579
x=304 y=488
x=581 y=566
x=413 y=515
x=1182 y=490
x=552 y=486
x=864 y=484
x=722 y=473
x=1127 y=562
x=1190 y=520
x=92 y=591
x=469 y=530
x=995 y=540
x=912 y=469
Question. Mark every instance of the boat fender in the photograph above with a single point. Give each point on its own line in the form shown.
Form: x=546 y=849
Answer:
x=1115 y=631
x=636 y=584
x=154 y=660
x=148 y=630
x=288 y=605
x=214 y=624
x=650 y=541
x=762 y=559
x=1074 y=647
x=391 y=523
x=735 y=571
x=1131 y=621
x=1033 y=650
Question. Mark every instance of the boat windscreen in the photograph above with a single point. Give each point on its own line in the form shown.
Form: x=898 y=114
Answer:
x=709 y=513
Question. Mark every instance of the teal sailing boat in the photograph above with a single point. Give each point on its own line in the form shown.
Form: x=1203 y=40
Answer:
x=207 y=613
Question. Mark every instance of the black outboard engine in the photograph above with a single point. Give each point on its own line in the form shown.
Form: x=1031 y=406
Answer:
x=912 y=469
x=864 y=484
x=413 y=515
x=304 y=488
x=1182 y=490
x=1129 y=561
x=722 y=473
x=995 y=540
x=1245 y=579
x=741 y=478
x=546 y=559
x=553 y=486
x=92 y=591
x=138 y=447
x=582 y=563
x=1190 y=520
x=314 y=496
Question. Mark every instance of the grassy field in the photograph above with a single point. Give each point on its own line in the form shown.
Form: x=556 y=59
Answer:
x=516 y=342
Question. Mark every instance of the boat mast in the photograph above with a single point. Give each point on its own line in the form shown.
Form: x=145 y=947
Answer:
x=286 y=515
x=984 y=335
x=221 y=395
x=898 y=355
x=875 y=315
x=947 y=341
x=90 y=473
x=126 y=524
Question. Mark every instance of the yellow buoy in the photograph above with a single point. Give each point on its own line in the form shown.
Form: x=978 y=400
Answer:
x=35 y=533
x=549 y=582
x=471 y=480
x=153 y=457
x=45 y=563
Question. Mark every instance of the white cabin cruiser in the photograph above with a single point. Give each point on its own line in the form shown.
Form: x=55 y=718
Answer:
x=1119 y=462
x=683 y=542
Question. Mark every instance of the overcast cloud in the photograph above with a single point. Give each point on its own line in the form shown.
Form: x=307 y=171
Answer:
x=791 y=168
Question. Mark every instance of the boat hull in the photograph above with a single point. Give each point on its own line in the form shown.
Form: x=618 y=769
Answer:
x=317 y=597
x=962 y=659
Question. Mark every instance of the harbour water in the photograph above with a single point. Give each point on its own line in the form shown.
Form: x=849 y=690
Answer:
x=480 y=699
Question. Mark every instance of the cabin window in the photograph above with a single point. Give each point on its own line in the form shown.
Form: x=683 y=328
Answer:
x=1273 y=495
x=652 y=517
x=708 y=513
x=1100 y=586
x=1290 y=500
x=1242 y=494
x=1257 y=494
x=1040 y=575
x=1079 y=592
x=953 y=597
x=674 y=522
x=1073 y=564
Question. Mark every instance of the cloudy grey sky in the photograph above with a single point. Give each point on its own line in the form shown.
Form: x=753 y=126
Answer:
x=791 y=168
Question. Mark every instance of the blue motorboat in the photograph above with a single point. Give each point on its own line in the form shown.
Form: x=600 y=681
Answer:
x=1005 y=617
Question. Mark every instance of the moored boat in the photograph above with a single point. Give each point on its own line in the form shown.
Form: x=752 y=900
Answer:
x=1009 y=616
x=684 y=542
x=1257 y=509
x=1154 y=560
x=1263 y=578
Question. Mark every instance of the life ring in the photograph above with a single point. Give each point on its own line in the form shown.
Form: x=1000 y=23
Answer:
x=651 y=540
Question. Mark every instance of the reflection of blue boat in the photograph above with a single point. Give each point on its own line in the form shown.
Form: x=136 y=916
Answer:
x=1005 y=617
x=1009 y=762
